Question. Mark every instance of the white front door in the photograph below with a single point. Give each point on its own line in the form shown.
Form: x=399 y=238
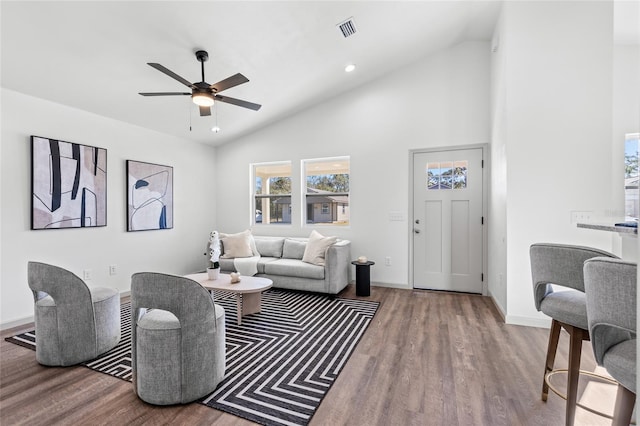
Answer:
x=447 y=220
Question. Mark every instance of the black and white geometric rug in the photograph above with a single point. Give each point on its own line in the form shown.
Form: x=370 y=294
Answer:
x=281 y=362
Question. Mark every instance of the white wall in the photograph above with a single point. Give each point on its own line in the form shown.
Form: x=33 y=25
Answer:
x=497 y=221
x=558 y=117
x=440 y=101
x=179 y=250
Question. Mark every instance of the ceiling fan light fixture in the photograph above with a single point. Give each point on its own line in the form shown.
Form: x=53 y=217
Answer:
x=215 y=129
x=202 y=99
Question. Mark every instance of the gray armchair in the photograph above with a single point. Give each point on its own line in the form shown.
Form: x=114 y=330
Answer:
x=563 y=265
x=74 y=323
x=177 y=339
x=611 y=307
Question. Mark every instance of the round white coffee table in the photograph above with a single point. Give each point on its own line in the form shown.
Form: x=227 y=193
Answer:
x=248 y=291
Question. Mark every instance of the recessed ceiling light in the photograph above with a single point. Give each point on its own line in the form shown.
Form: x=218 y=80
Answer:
x=349 y=68
x=215 y=129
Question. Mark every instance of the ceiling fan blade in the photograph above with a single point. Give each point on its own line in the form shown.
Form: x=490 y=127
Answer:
x=170 y=74
x=205 y=110
x=164 y=93
x=229 y=82
x=237 y=102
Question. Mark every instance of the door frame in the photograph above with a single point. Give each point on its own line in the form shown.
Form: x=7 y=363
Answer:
x=485 y=190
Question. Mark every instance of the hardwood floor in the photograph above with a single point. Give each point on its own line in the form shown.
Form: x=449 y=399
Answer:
x=428 y=358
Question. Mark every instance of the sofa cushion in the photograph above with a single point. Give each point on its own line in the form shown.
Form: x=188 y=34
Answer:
x=316 y=247
x=293 y=249
x=227 y=265
x=270 y=247
x=294 y=268
x=263 y=261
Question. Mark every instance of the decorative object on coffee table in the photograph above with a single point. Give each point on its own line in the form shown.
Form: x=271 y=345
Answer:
x=213 y=273
x=363 y=279
x=235 y=277
x=214 y=250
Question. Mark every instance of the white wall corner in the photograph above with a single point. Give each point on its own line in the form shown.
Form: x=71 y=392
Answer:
x=499 y=307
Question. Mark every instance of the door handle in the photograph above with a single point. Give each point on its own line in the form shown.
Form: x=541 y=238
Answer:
x=416 y=231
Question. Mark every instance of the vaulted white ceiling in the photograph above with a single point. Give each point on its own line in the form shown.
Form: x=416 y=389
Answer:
x=92 y=55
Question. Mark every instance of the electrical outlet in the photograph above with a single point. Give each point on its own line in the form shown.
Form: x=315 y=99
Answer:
x=396 y=216
x=113 y=269
x=581 y=216
x=387 y=261
x=86 y=274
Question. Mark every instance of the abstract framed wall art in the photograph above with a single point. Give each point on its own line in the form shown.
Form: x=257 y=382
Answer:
x=68 y=184
x=149 y=196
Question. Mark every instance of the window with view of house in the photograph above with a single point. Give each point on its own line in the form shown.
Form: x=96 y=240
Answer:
x=631 y=175
x=272 y=193
x=325 y=188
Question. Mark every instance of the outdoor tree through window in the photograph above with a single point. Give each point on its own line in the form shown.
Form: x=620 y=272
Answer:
x=272 y=193
x=631 y=175
x=326 y=190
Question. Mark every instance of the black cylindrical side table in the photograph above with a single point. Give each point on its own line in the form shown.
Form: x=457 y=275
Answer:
x=363 y=278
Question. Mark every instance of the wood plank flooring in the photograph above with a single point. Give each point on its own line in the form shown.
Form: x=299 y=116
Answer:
x=428 y=358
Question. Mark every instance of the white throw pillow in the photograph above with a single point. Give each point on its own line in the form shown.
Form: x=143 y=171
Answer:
x=241 y=244
x=316 y=246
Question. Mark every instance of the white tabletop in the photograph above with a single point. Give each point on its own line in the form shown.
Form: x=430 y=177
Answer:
x=246 y=284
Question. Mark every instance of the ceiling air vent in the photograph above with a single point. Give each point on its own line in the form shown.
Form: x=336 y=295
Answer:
x=347 y=28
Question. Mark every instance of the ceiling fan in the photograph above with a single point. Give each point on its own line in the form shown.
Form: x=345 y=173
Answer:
x=202 y=93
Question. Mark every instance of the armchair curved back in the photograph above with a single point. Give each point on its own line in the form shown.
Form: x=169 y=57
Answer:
x=181 y=296
x=74 y=308
x=611 y=302
x=559 y=264
x=193 y=305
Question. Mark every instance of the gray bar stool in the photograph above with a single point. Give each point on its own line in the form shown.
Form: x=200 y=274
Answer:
x=563 y=265
x=611 y=307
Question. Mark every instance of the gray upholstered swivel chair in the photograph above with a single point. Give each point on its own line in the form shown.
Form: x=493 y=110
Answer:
x=177 y=339
x=611 y=307
x=563 y=265
x=74 y=323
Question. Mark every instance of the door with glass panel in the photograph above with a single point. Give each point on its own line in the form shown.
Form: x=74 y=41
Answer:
x=447 y=220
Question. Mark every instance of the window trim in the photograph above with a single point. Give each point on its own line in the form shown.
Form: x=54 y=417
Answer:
x=253 y=195
x=304 y=195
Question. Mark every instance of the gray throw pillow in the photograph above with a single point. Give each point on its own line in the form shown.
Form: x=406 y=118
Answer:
x=270 y=247
x=293 y=249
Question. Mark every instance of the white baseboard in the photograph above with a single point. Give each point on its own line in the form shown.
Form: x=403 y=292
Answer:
x=498 y=306
x=16 y=323
x=390 y=285
x=528 y=321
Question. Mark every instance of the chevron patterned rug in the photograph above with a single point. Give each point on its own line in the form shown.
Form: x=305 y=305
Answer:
x=281 y=362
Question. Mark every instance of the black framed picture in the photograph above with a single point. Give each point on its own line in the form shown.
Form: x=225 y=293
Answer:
x=149 y=196
x=68 y=184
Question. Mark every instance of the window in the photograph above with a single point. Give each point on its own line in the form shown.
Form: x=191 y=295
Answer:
x=326 y=190
x=272 y=193
x=631 y=176
x=447 y=175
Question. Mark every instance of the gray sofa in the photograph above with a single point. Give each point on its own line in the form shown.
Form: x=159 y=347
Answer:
x=281 y=261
